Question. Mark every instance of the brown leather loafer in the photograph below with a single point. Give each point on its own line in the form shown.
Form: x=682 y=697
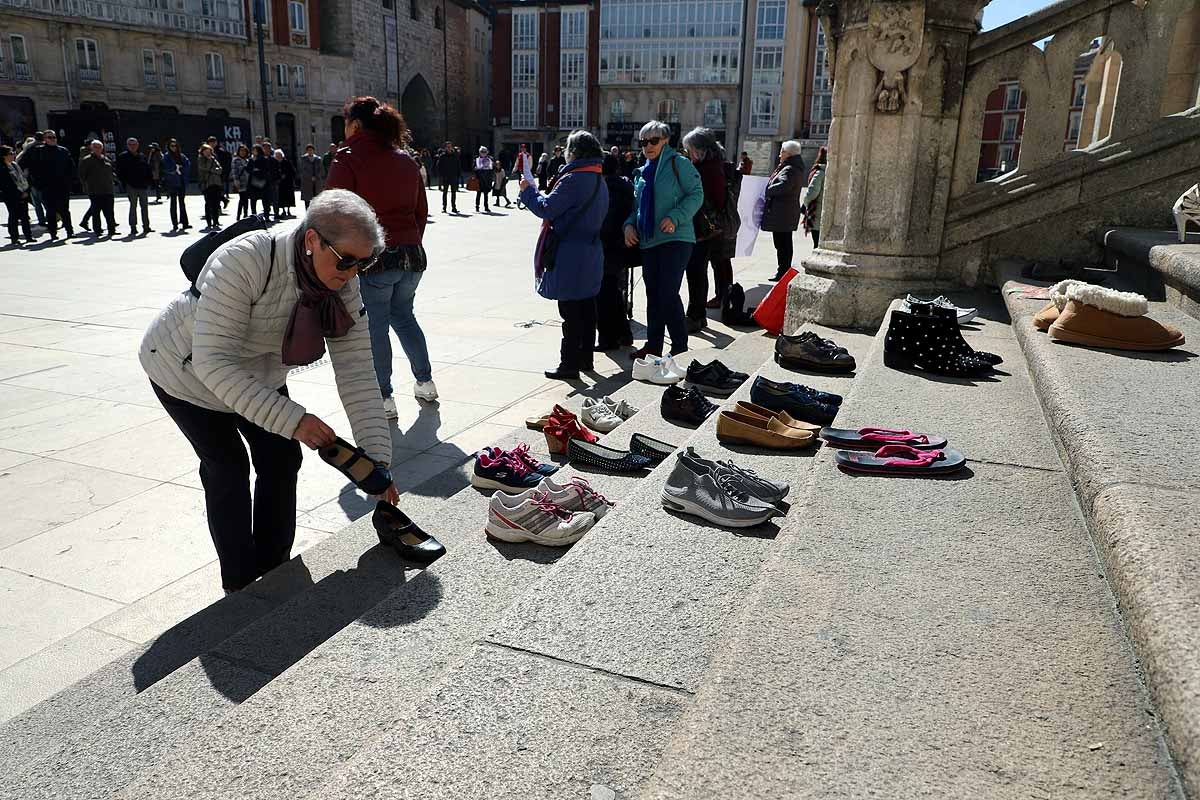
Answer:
x=737 y=428
x=755 y=410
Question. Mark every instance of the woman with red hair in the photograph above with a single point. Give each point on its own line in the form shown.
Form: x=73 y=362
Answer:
x=373 y=164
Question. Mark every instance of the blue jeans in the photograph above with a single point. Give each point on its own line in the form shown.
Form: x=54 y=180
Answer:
x=663 y=268
x=388 y=296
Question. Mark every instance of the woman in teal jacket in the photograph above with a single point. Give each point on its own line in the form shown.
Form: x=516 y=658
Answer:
x=668 y=194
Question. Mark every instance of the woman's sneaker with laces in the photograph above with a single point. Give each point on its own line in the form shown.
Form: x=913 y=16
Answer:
x=621 y=408
x=521 y=452
x=574 y=495
x=535 y=519
x=506 y=471
x=599 y=417
x=715 y=495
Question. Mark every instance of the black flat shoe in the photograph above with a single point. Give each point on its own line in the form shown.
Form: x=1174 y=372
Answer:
x=561 y=374
x=653 y=449
x=606 y=458
x=685 y=406
x=715 y=378
x=810 y=352
x=353 y=462
x=404 y=536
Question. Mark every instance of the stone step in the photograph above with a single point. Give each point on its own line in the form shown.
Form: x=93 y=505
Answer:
x=1125 y=424
x=945 y=638
x=1162 y=267
x=356 y=684
x=595 y=662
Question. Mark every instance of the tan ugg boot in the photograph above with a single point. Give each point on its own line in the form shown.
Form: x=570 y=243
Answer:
x=1058 y=301
x=1097 y=317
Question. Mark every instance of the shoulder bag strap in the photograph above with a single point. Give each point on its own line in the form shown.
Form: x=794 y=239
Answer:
x=582 y=211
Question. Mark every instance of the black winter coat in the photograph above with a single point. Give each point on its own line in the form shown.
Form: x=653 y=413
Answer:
x=50 y=169
x=133 y=170
x=782 y=210
x=612 y=232
x=449 y=168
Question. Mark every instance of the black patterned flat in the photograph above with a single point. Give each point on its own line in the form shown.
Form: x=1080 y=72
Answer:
x=606 y=458
x=653 y=449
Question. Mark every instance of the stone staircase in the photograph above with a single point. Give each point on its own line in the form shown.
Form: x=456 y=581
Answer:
x=951 y=637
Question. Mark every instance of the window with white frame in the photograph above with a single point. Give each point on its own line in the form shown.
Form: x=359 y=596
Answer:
x=1077 y=92
x=87 y=58
x=1008 y=157
x=524 y=69
x=524 y=74
x=524 y=108
x=149 y=68
x=299 y=80
x=1012 y=97
x=714 y=114
x=668 y=111
x=525 y=28
x=764 y=110
x=297 y=16
x=168 y=64
x=572 y=70
x=1073 y=124
x=768 y=65
x=572 y=95
x=572 y=113
x=573 y=31
x=617 y=111
x=214 y=68
x=771 y=21
x=282 y=79
x=1009 y=131
x=21 y=69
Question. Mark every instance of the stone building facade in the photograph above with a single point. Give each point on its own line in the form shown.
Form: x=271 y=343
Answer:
x=186 y=69
x=418 y=55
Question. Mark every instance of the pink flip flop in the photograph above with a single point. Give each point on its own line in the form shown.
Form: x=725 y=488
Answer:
x=899 y=459
x=872 y=438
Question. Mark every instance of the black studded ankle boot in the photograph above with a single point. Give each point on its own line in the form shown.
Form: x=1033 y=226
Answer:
x=931 y=310
x=929 y=344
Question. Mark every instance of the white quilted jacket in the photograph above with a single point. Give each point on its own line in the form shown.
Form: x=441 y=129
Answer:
x=223 y=351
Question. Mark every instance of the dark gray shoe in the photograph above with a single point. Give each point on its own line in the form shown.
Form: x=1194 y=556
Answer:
x=750 y=481
x=712 y=494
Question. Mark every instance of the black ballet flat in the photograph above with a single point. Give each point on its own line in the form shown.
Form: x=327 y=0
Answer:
x=404 y=536
x=654 y=449
x=606 y=458
x=353 y=462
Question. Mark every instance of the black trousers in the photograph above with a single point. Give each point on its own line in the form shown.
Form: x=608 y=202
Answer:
x=578 y=333
x=178 y=200
x=212 y=204
x=102 y=204
x=251 y=540
x=58 y=208
x=816 y=234
x=783 y=249
x=612 y=323
x=484 y=194
x=452 y=185
x=697 y=281
x=18 y=219
x=243 y=207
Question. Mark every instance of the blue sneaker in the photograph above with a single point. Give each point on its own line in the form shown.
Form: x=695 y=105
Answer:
x=496 y=469
x=521 y=452
x=801 y=402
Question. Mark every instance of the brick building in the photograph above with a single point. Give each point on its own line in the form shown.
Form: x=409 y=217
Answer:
x=181 y=68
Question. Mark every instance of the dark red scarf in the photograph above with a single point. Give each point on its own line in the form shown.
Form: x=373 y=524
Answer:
x=319 y=313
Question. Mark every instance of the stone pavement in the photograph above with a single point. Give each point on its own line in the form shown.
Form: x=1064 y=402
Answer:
x=104 y=545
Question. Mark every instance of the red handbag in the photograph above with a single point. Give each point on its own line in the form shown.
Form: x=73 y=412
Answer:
x=770 y=311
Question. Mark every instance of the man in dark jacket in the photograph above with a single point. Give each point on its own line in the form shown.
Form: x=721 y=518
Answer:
x=226 y=161
x=612 y=321
x=51 y=170
x=448 y=171
x=133 y=170
x=96 y=176
x=781 y=214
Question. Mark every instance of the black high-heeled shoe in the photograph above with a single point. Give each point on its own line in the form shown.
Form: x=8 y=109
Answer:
x=404 y=536
x=932 y=310
x=928 y=344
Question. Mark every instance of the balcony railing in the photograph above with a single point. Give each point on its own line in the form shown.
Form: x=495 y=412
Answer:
x=169 y=83
x=282 y=91
x=124 y=14
x=89 y=74
x=216 y=84
x=301 y=90
x=23 y=71
x=150 y=80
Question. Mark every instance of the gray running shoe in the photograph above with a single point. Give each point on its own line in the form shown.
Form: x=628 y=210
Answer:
x=751 y=482
x=716 y=495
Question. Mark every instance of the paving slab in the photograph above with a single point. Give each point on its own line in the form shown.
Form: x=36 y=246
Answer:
x=39 y=613
x=40 y=676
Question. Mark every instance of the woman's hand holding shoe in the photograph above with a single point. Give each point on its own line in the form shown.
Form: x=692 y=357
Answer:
x=314 y=433
x=631 y=236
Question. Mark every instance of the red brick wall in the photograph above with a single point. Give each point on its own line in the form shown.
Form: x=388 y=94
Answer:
x=502 y=67
x=279 y=19
x=593 y=76
x=551 y=25
x=314 y=24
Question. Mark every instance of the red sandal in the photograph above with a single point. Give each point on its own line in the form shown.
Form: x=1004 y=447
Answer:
x=562 y=427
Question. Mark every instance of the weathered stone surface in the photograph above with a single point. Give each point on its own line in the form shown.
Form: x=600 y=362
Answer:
x=514 y=725
x=1176 y=264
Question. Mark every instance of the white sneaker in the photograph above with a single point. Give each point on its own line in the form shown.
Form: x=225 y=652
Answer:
x=389 y=408
x=535 y=519
x=622 y=409
x=674 y=368
x=599 y=417
x=655 y=370
x=575 y=495
x=425 y=390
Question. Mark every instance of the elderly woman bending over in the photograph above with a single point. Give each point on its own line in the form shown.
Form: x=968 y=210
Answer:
x=218 y=360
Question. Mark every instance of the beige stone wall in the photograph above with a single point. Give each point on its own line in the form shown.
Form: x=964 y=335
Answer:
x=1182 y=90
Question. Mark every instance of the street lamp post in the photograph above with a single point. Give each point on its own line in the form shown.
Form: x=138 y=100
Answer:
x=260 y=17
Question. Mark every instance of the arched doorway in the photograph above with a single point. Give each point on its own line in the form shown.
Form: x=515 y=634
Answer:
x=420 y=111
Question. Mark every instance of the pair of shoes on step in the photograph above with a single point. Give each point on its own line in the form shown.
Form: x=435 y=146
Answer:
x=562 y=427
x=721 y=492
x=508 y=470
x=751 y=425
x=962 y=315
x=892 y=451
x=398 y=531
x=801 y=402
x=715 y=378
x=1093 y=316
x=661 y=370
x=548 y=513
x=685 y=405
x=604 y=414
x=808 y=351
x=927 y=339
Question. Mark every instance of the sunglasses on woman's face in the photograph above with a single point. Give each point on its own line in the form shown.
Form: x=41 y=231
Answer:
x=649 y=142
x=347 y=263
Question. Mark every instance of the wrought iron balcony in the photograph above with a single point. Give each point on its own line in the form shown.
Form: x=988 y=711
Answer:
x=89 y=74
x=23 y=71
x=216 y=85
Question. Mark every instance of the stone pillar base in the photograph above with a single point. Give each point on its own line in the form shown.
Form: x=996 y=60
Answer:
x=847 y=290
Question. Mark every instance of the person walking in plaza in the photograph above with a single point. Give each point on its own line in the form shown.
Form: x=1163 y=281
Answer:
x=523 y=161
x=427 y=166
x=226 y=161
x=668 y=194
x=96 y=177
x=155 y=158
x=612 y=321
x=239 y=166
x=500 y=185
x=812 y=197
x=746 y=165
x=93 y=212
x=781 y=212
x=312 y=175
x=447 y=172
x=176 y=169
x=542 y=171
x=373 y=166
x=708 y=156
x=484 y=177
x=287 y=186
x=327 y=157
x=218 y=361
x=14 y=191
x=35 y=197
x=51 y=171
x=573 y=212
x=133 y=170
x=212 y=186
x=258 y=174
x=557 y=162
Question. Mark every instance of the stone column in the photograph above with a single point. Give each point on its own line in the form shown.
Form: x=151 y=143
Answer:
x=898 y=72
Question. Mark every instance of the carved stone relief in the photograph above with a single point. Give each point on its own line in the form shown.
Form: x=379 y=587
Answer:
x=896 y=35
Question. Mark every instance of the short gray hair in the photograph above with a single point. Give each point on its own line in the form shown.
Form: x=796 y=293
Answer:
x=339 y=214
x=655 y=128
x=791 y=147
x=582 y=144
x=704 y=141
x=95 y=142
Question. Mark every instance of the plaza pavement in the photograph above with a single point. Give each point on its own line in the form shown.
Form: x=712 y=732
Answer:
x=103 y=541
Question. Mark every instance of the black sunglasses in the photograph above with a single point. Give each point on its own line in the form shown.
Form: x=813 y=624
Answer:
x=647 y=142
x=346 y=263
